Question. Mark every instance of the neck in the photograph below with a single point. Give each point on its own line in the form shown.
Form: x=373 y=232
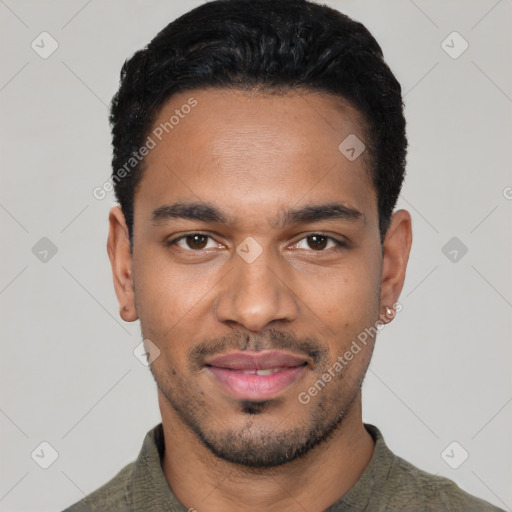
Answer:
x=204 y=482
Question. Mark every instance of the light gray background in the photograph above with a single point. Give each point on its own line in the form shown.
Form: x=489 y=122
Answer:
x=441 y=371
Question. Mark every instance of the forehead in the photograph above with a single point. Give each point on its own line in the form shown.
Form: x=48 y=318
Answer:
x=256 y=150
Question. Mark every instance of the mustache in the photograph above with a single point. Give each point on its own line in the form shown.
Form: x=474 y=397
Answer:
x=272 y=339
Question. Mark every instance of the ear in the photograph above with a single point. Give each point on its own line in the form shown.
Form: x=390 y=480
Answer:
x=396 y=249
x=118 y=248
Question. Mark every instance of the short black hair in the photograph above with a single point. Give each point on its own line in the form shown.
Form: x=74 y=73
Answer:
x=273 y=45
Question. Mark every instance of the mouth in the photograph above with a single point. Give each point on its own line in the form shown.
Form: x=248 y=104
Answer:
x=256 y=375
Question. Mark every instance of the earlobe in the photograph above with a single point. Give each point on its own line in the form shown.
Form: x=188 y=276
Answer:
x=388 y=314
x=396 y=249
x=118 y=248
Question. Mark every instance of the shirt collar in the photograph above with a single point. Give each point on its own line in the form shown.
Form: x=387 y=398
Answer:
x=149 y=489
x=148 y=485
x=372 y=478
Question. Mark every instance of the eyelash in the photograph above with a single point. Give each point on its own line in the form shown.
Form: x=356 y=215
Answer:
x=338 y=244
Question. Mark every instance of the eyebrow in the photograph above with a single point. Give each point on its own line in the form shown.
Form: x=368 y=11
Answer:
x=314 y=213
x=205 y=212
x=192 y=211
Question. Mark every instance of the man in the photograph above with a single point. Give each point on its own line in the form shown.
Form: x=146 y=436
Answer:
x=259 y=150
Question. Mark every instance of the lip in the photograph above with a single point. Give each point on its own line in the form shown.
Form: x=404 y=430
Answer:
x=256 y=360
x=227 y=370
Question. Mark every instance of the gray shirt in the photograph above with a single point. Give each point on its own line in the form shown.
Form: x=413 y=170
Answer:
x=388 y=483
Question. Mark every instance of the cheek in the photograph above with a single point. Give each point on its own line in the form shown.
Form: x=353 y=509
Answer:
x=172 y=300
x=347 y=303
x=164 y=289
x=349 y=294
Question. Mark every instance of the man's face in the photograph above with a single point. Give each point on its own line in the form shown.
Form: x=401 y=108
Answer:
x=268 y=283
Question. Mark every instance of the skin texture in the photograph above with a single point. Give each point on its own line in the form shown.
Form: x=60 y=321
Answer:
x=255 y=156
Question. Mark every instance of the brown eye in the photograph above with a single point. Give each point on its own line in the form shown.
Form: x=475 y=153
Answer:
x=196 y=241
x=317 y=242
x=320 y=243
x=193 y=242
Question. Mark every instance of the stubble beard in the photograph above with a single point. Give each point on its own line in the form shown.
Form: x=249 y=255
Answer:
x=256 y=444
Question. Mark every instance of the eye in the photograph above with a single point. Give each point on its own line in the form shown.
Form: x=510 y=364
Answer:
x=319 y=242
x=194 y=242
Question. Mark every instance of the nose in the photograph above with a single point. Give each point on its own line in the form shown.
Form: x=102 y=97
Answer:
x=255 y=294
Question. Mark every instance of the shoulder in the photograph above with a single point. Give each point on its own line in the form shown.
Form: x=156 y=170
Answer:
x=431 y=493
x=140 y=485
x=111 y=496
x=399 y=485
